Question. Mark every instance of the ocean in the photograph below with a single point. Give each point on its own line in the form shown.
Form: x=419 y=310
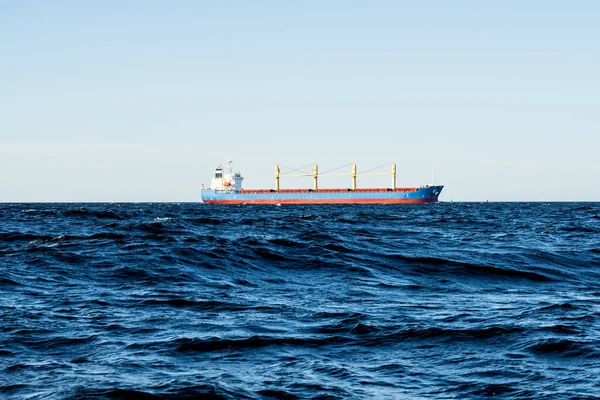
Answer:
x=160 y=301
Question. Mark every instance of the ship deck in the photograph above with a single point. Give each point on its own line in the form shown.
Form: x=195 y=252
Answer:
x=333 y=190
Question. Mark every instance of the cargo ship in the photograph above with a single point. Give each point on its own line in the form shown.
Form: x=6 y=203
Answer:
x=226 y=188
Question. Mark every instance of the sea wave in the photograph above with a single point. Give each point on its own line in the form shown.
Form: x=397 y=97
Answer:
x=194 y=300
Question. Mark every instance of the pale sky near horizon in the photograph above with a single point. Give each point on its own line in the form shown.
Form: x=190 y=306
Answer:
x=141 y=100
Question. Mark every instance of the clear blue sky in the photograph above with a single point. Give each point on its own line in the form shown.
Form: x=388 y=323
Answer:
x=140 y=100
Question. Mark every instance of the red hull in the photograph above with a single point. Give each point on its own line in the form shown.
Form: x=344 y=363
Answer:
x=326 y=201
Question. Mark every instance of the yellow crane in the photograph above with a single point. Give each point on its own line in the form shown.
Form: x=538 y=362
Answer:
x=353 y=173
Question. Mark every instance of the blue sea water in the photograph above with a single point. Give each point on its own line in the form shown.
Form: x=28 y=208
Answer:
x=464 y=300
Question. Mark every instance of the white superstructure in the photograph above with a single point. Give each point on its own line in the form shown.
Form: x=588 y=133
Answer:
x=226 y=181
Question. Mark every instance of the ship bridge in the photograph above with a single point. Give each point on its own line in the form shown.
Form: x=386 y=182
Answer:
x=228 y=180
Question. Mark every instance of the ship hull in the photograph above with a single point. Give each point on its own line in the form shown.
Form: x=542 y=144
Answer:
x=428 y=194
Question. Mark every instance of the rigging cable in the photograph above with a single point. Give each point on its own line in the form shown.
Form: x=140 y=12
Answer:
x=373 y=169
x=296 y=169
x=335 y=169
